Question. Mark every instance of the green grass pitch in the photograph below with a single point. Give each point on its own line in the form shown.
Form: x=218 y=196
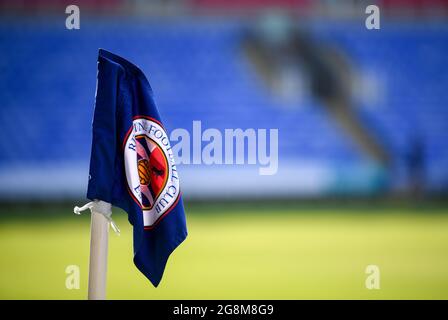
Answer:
x=238 y=252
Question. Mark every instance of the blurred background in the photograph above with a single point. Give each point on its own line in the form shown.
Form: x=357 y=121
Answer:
x=363 y=145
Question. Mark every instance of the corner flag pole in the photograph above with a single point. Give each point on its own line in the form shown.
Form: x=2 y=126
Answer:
x=99 y=238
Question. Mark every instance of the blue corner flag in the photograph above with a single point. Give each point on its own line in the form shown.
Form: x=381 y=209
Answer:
x=132 y=164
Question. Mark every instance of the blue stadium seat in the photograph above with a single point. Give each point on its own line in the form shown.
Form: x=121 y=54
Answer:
x=48 y=74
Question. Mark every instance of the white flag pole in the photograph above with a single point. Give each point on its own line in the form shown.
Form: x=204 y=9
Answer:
x=99 y=238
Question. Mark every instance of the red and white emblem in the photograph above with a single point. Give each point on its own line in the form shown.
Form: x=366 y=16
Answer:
x=150 y=169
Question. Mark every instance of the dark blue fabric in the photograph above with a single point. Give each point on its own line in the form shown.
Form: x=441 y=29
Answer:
x=122 y=93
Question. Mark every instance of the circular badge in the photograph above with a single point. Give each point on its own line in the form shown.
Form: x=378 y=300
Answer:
x=150 y=169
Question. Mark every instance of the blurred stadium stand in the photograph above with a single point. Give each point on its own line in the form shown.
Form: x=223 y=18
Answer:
x=198 y=72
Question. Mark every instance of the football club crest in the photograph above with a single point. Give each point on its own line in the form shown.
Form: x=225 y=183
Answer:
x=150 y=168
